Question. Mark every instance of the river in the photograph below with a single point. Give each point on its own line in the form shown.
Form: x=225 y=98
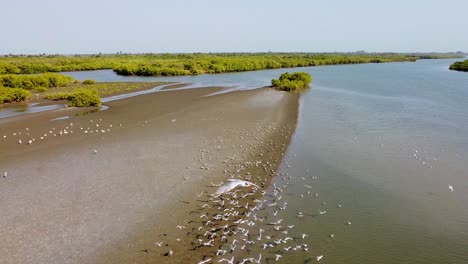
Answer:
x=377 y=146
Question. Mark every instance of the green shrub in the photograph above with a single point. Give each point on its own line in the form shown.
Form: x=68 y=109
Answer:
x=8 y=95
x=57 y=96
x=84 y=98
x=40 y=89
x=88 y=81
x=460 y=66
x=77 y=98
x=27 y=81
x=292 y=82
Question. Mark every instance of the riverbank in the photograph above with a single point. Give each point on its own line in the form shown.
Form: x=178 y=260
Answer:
x=105 y=187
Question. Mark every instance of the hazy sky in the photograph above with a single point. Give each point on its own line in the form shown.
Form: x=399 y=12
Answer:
x=108 y=26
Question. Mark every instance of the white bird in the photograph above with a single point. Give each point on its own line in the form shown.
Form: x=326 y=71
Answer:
x=256 y=260
x=159 y=244
x=319 y=257
x=233 y=183
x=278 y=257
x=450 y=187
x=227 y=260
x=204 y=261
x=5 y=174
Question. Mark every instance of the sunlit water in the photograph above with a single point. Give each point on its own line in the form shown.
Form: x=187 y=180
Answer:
x=383 y=140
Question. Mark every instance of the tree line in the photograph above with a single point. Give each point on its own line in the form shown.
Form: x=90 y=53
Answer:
x=193 y=64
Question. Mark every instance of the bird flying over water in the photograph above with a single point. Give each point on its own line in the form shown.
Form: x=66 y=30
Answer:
x=450 y=187
x=233 y=183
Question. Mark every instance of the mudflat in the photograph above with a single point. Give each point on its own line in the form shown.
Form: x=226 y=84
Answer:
x=104 y=187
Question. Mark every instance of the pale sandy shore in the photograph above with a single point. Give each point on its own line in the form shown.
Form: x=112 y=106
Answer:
x=104 y=187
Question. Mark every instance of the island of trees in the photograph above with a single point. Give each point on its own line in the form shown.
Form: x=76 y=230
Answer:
x=460 y=66
x=292 y=81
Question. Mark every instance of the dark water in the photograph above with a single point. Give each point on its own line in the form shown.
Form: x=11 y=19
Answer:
x=383 y=140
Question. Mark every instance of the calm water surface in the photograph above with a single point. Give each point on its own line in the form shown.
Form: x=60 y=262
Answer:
x=382 y=140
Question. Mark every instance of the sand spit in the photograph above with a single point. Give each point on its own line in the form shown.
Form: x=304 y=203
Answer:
x=105 y=187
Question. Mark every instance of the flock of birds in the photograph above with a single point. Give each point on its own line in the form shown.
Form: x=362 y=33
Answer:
x=25 y=136
x=246 y=218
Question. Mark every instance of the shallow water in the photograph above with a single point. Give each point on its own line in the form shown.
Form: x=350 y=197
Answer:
x=27 y=108
x=382 y=140
x=385 y=141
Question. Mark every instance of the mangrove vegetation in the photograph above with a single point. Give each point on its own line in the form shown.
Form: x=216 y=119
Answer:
x=10 y=95
x=460 y=66
x=34 y=82
x=79 y=98
x=292 y=81
x=193 y=64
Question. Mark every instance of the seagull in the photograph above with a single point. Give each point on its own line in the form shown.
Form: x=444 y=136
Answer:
x=227 y=260
x=450 y=187
x=233 y=183
x=204 y=261
x=159 y=244
x=278 y=257
x=168 y=254
x=5 y=174
x=256 y=260
x=319 y=257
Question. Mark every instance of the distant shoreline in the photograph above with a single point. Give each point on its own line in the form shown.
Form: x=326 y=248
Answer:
x=196 y=63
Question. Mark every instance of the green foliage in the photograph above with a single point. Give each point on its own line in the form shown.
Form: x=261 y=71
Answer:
x=193 y=64
x=34 y=81
x=88 y=81
x=40 y=89
x=292 y=82
x=77 y=98
x=8 y=95
x=84 y=98
x=460 y=66
x=57 y=96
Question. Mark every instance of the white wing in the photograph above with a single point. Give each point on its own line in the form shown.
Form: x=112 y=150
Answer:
x=226 y=188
